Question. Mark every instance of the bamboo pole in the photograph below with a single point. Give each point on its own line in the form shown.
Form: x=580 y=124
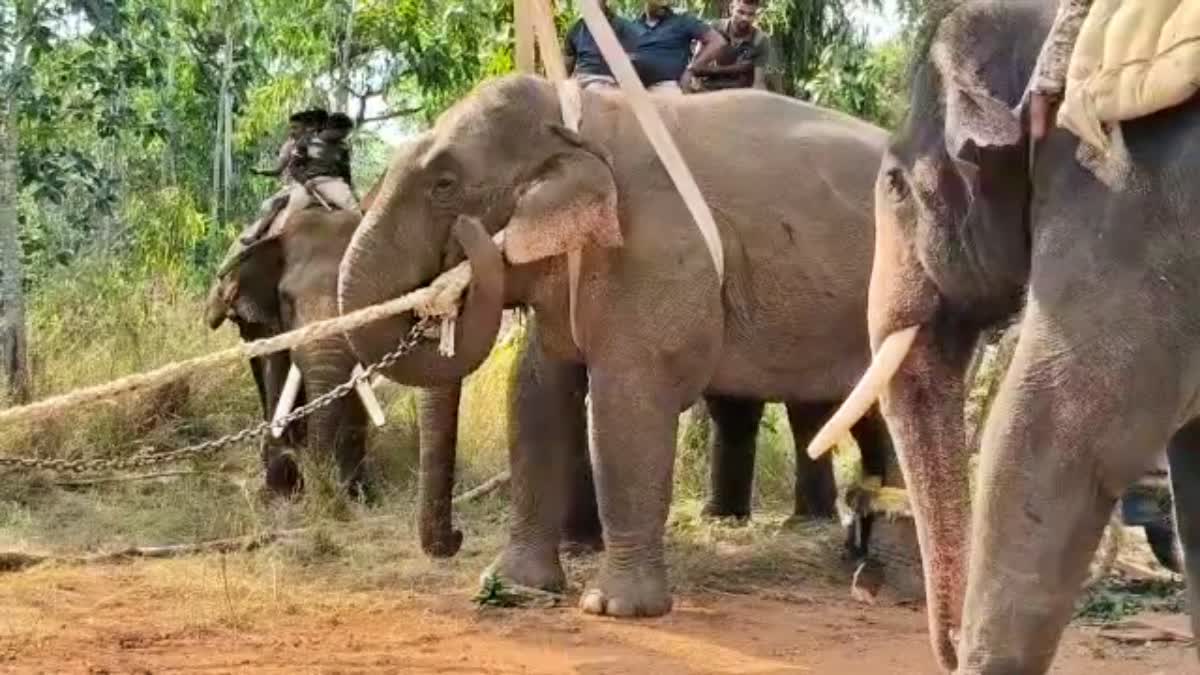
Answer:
x=523 y=26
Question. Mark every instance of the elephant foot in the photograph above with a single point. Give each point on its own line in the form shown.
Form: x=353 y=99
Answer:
x=521 y=567
x=284 y=478
x=639 y=592
x=718 y=511
x=445 y=544
x=798 y=521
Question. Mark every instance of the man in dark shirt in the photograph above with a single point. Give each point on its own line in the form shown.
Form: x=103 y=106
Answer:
x=741 y=64
x=583 y=58
x=664 y=46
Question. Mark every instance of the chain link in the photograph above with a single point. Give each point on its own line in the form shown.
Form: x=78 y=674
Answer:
x=143 y=460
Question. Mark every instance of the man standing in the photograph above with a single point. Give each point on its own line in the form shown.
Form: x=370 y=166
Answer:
x=664 y=46
x=742 y=63
x=583 y=58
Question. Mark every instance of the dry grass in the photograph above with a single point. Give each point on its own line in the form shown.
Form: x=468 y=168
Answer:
x=96 y=324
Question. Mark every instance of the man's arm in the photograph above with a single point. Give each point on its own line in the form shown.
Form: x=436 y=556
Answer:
x=1050 y=72
x=711 y=43
x=285 y=154
x=762 y=59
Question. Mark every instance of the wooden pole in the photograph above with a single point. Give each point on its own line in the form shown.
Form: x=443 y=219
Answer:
x=547 y=39
x=523 y=26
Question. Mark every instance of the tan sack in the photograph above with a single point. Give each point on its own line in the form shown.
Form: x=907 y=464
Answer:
x=1133 y=58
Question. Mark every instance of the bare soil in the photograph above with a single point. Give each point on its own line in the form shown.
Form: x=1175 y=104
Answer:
x=222 y=615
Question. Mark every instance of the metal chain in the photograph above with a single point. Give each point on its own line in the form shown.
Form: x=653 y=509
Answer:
x=143 y=460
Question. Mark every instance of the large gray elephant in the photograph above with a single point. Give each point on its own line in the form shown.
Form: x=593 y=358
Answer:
x=651 y=325
x=1104 y=259
x=287 y=280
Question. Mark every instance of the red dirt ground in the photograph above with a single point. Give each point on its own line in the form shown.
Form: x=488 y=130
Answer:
x=176 y=616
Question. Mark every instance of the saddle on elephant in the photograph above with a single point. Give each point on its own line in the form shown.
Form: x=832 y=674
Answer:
x=1127 y=59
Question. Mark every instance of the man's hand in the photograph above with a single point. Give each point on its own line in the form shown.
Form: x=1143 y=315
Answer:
x=1042 y=108
x=711 y=42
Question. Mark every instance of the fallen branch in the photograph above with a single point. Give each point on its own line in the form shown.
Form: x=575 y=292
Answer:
x=15 y=561
x=486 y=488
x=88 y=482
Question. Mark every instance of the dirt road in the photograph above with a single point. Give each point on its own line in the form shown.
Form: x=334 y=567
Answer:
x=208 y=616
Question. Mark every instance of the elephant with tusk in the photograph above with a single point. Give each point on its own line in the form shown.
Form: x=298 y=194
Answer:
x=283 y=282
x=290 y=279
x=643 y=324
x=1099 y=254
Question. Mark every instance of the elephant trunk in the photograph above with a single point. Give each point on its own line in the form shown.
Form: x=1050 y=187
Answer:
x=337 y=432
x=376 y=269
x=439 y=441
x=923 y=406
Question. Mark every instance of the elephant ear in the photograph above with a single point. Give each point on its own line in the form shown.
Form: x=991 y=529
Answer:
x=570 y=202
x=248 y=286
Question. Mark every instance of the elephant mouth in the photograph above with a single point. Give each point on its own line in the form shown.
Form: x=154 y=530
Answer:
x=364 y=281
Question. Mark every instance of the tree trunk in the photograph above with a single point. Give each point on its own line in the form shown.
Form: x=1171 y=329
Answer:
x=343 y=87
x=13 y=357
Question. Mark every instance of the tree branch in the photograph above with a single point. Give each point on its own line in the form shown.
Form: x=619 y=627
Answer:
x=393 y=114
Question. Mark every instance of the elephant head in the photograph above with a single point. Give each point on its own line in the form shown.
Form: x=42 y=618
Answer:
x=952 y=256
x=499 y=159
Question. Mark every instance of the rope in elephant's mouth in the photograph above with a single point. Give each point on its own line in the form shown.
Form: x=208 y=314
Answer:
x=143 y=460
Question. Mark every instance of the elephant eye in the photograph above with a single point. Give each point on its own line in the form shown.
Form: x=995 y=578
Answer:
x=897 y=185
x=445 y=184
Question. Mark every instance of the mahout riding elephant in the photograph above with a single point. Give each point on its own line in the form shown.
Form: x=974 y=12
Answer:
x=1103 y=254
x=289 y=280
x=650 y=323
x=285 y=281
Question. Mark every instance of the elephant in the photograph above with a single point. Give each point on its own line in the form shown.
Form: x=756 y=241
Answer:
x=297 y=268
x=650 y=323
x=975 y=223
x=736 y=422
x=287 y=280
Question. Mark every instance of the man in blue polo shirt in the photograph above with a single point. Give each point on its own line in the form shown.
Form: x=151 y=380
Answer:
x=583 y=58
x=664 y=46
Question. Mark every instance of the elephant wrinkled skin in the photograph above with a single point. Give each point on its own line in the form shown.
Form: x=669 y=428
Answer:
x=1107 y=366
x=790 y=186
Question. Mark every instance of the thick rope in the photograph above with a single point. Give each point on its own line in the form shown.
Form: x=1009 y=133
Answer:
x=431 y=300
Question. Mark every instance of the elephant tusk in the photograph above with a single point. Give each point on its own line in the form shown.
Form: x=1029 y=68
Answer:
x=883 y=367
x=367 y=396
x=287 y=398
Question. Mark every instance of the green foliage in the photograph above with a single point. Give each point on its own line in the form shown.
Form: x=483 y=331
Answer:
x=1111 y=600
x=867 y=83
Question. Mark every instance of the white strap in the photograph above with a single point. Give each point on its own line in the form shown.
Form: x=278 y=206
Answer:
x=656 y=130
x=570 y=99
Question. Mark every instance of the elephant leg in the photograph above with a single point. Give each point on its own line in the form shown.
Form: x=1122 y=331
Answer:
x=283 y=475
x=438 y=425
x=635 y=418
x=540 y=401
x=1184 y=455
x=1074 y=424
x=581 y=529
x=337 y=433
x=735 y=422
x=815 y=489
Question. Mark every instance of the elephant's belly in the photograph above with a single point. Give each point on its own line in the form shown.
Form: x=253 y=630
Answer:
x=821 y=372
